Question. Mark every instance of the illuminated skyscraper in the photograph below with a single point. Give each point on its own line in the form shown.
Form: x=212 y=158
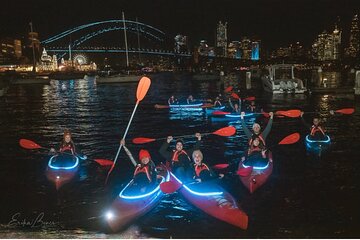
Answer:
x=246 y=47
x=327 y=45
x=255 y=50
x=221 y=38
x=354 y=43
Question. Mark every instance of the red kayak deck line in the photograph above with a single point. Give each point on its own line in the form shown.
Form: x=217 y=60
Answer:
x=221 y=206
x=126 y=208
x=257 y=178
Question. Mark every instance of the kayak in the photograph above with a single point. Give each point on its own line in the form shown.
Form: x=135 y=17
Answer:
x=184 y=107
x=258 y=176
x=230 y=117
x=215 y=201
x=210 y=110
x=132 y=202
x=61 y=169
x=317 y=146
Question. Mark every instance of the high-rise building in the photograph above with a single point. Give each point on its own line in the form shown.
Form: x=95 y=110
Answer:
x=246 y=47
x=181 y=43
x=221 y=38
x=255 y=50
x=234 y=50
x=327 y=45
x=354 y=42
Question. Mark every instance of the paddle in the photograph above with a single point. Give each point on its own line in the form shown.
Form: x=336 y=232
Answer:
x=220 y=113
x=290 y=139
x=250 y=99
x=224 y=132
x=234 y=95
x=28 y=144
x=228 y=89
x=347 y=111
x=289 y=113
x=142 y=89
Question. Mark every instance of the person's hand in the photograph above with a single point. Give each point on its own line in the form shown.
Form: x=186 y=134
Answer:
x=301 y=114
x=332 y=112
x=52 y=151
x=169 y=139
x=84 y=157
x=198 y=136
x=242 y=114
x=122 y=142
x=221 y=175
x=271 y=114
x=198 y=180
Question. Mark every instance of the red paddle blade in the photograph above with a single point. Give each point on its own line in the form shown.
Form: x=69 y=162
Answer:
x=220 y=166
x=292 y=138
x=228 y=89
x=250 y=98
x=244 y=172
x=104 y=162
x=143 y=87
x=289 y=113
x=220 y=113
x=346 y=111
x=170 y=187
x=226 y=131
x=266 y=114
x=234 y=95
x=141 y=140
x=28 y=144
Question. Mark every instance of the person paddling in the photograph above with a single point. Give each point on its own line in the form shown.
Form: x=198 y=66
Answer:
x=236 y=108
x=178 y=159
x=252 y=107
x=201 y=171
x=190 y=99
x=172 y=100
x=217 y=102
x=144 y=174
x=256 y=154
x=317 y=131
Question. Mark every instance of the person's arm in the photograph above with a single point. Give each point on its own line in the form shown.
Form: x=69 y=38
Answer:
x=245 y=128
x=196 y=146
x=164 y=149
x=307 y=125
x=231 y=105
x=267 y=130
x=122 y=142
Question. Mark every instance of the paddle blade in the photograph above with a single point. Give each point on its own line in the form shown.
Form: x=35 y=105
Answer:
x=143 y=87
x=265 y=114
x=346 y=111
x=228 y=89
x=234 y=95
x=289 y=113
x=141 y=140
x=244 y=172
x=220 y=113
x=170 y=187
x=28 y=144
x=220 y=166
x=226 y=131
x=104 y=162
x=292 y=138
x=250 y=98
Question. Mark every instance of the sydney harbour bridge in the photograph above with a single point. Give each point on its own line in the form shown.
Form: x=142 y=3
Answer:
x=108 y=37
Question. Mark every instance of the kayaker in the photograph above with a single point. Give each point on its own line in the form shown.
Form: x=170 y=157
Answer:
x=190 y=99
x=317 y=131
x=67 y=146
x=256 y=154
x=252 y=107
x=201 y=171
x=217 y=102
x=178 y=159
x=144 y=174
x=236 y=108
x=172 y=100
x=257 y=129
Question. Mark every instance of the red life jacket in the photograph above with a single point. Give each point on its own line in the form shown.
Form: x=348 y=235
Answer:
x=68 y=147
x=143 y=169
x=200 y=168
x=176 y=154
x=315 y=129
x=261 y=139
x=254 y=149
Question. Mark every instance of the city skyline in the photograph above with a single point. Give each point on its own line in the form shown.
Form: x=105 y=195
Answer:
x=277 y=23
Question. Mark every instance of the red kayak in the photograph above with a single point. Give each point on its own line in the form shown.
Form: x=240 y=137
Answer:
x=132 y=202
x=62 y=169
x=215 y=201
x=258 y=176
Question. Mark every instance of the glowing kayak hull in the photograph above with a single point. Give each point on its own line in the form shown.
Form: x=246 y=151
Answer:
x=210 y=110
x=215 y=201
x=257 y=177
x=317 y=147
x=61 y=174
x=230 y=117
x=128 y=205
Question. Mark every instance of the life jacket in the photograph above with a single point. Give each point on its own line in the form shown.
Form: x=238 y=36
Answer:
x=68 y=147
x=315 y=129
x=143 y=169
x=200 y=168
x=259 y=136
x=176 y=154
x=254 y=149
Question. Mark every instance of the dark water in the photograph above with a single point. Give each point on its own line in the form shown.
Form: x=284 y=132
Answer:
x=306 y=196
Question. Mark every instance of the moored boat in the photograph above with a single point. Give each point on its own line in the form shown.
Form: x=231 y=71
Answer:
x=215 y=201
x=317 y=147
x=62 y=168
x=132 y=203
x=258 y=176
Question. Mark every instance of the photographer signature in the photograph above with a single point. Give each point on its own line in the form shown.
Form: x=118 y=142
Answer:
x=38 y=221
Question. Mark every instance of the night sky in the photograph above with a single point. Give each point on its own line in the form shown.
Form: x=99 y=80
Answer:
x=275 y=22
